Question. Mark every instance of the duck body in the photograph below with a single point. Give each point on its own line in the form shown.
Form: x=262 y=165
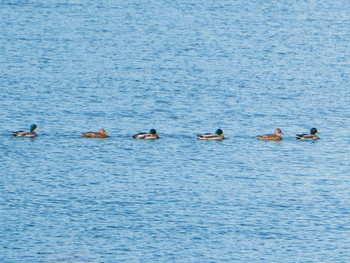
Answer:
x=100 y=134
x=217 y=136
x=30 y=134
x=272 y=137
x=311 y=136
x=151 y=135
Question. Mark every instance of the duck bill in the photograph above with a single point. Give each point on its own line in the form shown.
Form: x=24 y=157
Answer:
x=37 y=128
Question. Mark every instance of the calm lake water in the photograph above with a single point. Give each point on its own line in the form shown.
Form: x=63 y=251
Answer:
x=183 y=68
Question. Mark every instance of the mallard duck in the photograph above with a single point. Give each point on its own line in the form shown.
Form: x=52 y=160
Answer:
x=30 y=133
x=152 y=135
x=311 y=136
x=272 y=137
x=100 y=134
x=218 y=135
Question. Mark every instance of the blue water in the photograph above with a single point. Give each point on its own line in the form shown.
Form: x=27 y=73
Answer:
x=183 y=68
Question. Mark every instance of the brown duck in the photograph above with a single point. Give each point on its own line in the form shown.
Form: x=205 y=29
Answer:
x=272 y=137
x=100 y=134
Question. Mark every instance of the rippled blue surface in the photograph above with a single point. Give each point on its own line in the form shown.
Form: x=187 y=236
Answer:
x=181 y=67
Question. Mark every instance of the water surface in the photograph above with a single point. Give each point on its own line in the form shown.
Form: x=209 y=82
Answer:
x=182 y=68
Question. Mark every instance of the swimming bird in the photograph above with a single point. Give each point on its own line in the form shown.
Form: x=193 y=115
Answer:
x=311 y=136
x=218 y=135
x=152 y=135
x=100 y=134
x=29 y=134
x=272 y=137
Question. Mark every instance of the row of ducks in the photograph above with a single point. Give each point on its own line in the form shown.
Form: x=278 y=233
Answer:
x=153 y=135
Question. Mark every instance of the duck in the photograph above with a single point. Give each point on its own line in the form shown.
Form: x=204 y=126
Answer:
x=31 y=133
x=218 y=135
x=311 y=136
x=151 y=135
x=100 y=134
x=272 y=137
